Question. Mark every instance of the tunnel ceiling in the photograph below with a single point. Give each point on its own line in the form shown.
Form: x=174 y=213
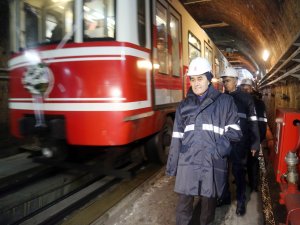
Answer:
x=242 y=29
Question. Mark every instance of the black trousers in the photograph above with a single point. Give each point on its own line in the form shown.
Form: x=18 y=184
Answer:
x=203 y=214
x=239 y=173
x=253 y=171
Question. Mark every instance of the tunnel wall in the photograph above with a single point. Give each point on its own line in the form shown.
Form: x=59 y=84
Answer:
x=285 y=94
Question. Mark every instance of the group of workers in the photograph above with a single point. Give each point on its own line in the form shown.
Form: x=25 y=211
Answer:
x=213 y=133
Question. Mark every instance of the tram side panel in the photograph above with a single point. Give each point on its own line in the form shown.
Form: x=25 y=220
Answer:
x=196 y=42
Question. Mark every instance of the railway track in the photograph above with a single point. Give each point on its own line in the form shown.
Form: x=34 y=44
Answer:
x=51 y=191
x=18 y=171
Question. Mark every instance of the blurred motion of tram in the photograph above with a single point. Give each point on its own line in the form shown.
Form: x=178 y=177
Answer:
x=102 y=72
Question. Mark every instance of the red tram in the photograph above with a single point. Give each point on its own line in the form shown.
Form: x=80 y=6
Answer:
x=102 y=72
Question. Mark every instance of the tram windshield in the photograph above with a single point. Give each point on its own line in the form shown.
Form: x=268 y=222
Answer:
x=45 y=21
x=99 y=19
x=50 y=21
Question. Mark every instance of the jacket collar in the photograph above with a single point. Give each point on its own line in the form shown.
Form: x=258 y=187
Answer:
x=237 y=90
x=212 y=95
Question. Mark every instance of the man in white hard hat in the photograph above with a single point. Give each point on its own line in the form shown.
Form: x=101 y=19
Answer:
x=206 y=122
x=249 y=141
x=253 y=163
x=247 y=85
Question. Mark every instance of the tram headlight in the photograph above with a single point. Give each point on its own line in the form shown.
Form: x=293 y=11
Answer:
x=144 y=64
x=156 y=66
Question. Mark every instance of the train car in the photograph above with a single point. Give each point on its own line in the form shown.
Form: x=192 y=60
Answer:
x=102 y=72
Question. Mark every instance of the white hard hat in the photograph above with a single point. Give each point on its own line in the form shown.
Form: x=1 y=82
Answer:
x=247 y=81
x=198 y=66
x=230 y=72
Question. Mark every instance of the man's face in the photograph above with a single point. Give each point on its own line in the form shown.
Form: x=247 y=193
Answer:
x=199 y=84
x=246 y=88
x=229 y=83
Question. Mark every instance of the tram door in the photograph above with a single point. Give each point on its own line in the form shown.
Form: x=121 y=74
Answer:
x=167 y=54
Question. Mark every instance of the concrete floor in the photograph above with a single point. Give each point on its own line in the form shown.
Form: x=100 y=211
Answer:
x=156 y=206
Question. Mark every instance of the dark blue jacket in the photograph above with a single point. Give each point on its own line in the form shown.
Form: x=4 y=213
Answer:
x=201 y=143
x=261 y=117
x=248 y=124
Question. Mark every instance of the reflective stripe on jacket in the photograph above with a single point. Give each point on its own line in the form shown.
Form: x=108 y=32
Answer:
x=261 y=117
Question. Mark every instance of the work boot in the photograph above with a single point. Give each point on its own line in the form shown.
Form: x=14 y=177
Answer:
x=223 y=201
x=240 y=209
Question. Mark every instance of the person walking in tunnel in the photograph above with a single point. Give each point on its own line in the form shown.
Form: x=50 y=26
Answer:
x=206 y=122
x=248 y=143
x=252 y=162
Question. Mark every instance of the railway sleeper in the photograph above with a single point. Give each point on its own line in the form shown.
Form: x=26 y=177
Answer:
x=96 y=168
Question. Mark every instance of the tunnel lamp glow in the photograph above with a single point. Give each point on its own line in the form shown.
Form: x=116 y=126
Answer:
x=265 y=55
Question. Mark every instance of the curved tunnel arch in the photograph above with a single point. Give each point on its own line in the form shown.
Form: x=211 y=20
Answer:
x=252 y=25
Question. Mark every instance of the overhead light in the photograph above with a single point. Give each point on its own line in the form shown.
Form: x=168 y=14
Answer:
x=265 y=55
x=213 y=25
x=257 y=72
x=195 y=2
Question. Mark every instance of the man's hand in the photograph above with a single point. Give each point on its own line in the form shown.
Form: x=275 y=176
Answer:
x=253 y=151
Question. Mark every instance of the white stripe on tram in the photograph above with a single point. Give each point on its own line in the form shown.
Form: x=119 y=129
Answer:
x=68 y=99
x=124 y=106
x=110 y=106
x=79 y=54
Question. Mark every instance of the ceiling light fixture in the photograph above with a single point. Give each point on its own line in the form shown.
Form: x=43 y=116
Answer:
x=195 y=2
x=265 y=55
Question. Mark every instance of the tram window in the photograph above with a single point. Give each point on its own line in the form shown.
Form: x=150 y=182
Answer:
x=174 y=30
x=217 y=67
x=142 y=22
x=54 y=29
x=99 y=19
x=208 y=53
x=221 y=66
x=162 y=38
x=46 y=21
x=31 y=25
x=194 y=46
